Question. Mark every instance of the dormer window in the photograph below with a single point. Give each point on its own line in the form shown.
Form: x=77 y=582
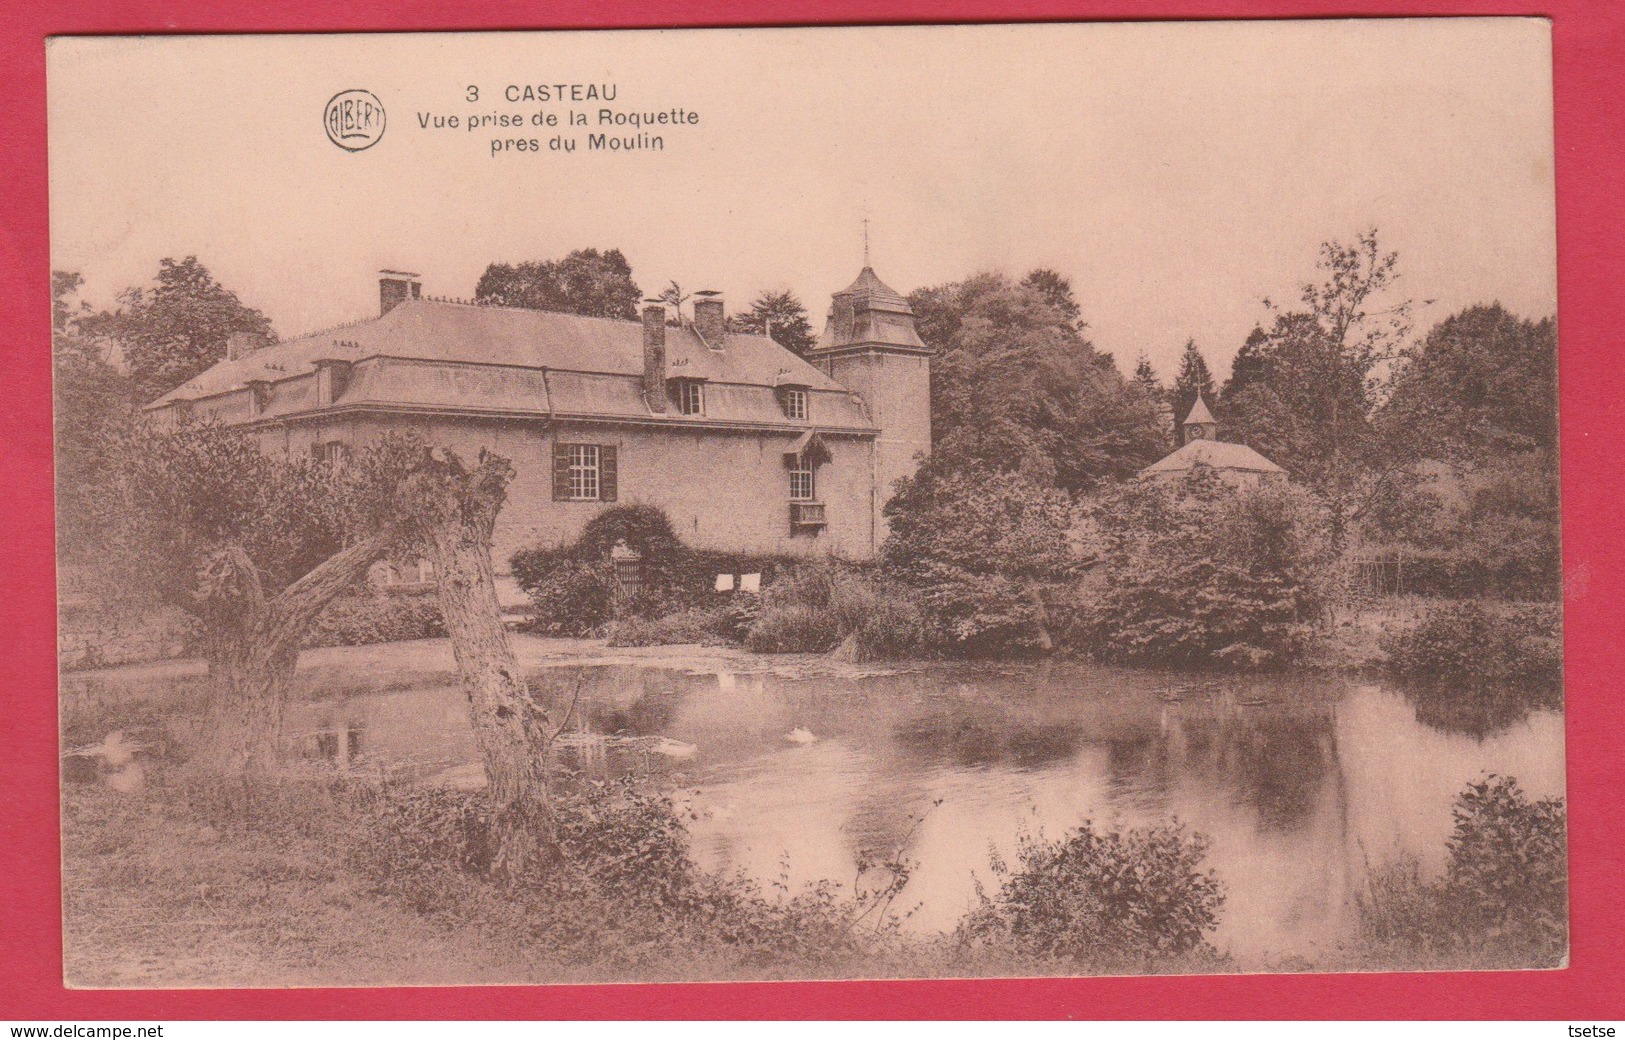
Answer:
x=332 y=379
x=690 y=396
x=793 y=399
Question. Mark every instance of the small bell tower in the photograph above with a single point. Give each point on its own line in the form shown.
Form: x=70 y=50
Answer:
x=1200 y=424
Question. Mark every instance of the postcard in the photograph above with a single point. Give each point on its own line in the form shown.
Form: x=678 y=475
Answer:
x=819 y=503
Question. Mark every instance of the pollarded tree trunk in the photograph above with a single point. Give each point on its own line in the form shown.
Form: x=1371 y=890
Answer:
x=456 y=510
x=251 y=643
x=248 y=683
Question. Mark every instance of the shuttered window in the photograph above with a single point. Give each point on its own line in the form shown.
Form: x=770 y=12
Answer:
x=584 y=473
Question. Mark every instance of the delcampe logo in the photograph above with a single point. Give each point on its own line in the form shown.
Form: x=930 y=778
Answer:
x=354 y=120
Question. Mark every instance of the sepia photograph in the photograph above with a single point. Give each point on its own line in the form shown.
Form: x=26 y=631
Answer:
x=875 y=502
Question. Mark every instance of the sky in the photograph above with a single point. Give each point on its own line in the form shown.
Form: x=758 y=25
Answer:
x=1177 y=173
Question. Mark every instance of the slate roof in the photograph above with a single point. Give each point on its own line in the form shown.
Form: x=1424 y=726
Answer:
x=1218 y=454
x=440 y=355
x=869 y=311
x=867 y=290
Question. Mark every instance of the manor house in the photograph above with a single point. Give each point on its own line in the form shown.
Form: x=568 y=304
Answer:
x=746 y=446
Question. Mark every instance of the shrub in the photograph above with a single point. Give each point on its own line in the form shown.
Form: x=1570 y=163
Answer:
x=1508 y=865
x=978 y=548
x=1467 y=644
x=689 y=625
x=626 y=890
x=568 y=596
x=574 y=589
x=1201 y=572
x=1503 y=900
x=1102 y=898
x=818 y=607
x=388 y=618
x=793 y=628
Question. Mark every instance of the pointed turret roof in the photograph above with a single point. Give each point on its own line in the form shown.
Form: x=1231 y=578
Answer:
x=1199 y=413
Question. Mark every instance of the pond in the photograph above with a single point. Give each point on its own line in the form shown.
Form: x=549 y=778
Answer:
x=796 y=770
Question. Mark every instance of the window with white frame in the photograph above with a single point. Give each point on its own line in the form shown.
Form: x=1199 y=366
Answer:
x=690 y=397
x=794 y=400
x=584 y=472
x=801 y=480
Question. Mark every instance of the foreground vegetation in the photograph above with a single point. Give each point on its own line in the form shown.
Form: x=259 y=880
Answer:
x=329 y=878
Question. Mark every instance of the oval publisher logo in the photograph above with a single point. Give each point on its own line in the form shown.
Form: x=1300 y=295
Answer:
x=354 y=120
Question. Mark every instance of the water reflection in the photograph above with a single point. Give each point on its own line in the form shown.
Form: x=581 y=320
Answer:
x=1474 y=711
x=1297 y=784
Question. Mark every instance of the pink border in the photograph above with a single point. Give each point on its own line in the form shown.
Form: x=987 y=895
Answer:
x=1590 y=74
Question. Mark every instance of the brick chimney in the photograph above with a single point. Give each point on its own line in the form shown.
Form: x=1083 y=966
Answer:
x=654 y=354
x=396 y=287
x=709 y=320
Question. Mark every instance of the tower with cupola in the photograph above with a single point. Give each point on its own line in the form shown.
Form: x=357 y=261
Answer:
x=871 y=346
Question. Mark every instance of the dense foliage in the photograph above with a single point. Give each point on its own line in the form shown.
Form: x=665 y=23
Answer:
x=1200 y=572
x=1481 y=384
x=979 y=549
x=1469 y=644
x=1103 y=897
x=781 y=316
x=179 y=496
x=586 y=281
x=1017 y=388
x=93 y=410
x=171 y=330
x=1503 y=900
x=1477 y=396
x=389 y=618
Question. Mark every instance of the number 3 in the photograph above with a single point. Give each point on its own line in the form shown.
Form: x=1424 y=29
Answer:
x=473 y=94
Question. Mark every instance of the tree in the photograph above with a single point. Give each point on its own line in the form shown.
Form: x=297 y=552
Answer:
x=1057 y=292
x=450 y=511
x=254 y=545
x=1247 y=369
x=175 y=328
x=251 y=545
x=93 y=403
x=1145 y=379
x=980 y=547
x=1478 y=395
x=586 y=281
x=1314 y=382
x=1201 y=572
x=674 y=297
x=1016 y=388
x=1194 y=381
x=1481 y=385
x=781 y=316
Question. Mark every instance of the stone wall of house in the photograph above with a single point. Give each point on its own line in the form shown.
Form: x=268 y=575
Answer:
x=896 y=391
x=722 y=490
